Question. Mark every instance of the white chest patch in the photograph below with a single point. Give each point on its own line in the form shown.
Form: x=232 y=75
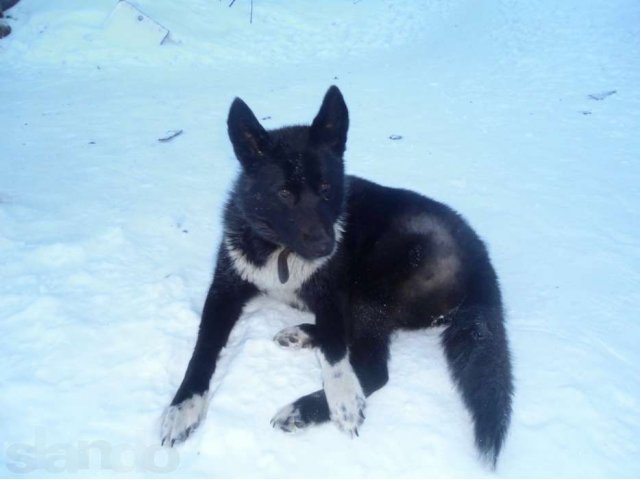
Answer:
x=266 y=278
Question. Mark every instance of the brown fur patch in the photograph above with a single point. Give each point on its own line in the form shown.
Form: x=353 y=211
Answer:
x=436 y=274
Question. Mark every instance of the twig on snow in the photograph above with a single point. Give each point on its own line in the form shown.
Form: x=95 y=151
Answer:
x=171 y=134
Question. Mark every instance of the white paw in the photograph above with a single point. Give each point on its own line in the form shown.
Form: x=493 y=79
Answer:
x=344 y=394
x=293 y=338
x=179 y=421
x=288 y=419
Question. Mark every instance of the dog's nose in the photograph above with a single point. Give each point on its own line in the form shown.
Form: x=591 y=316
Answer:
x=323 y=247
x=318 y=243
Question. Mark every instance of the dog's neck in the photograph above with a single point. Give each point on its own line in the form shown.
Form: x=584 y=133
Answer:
x=262 y=263
x=241 y=237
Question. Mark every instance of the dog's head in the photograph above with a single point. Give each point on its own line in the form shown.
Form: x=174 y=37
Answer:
x=291 y=189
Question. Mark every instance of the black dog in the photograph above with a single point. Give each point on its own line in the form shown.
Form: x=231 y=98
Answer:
x=366 y=260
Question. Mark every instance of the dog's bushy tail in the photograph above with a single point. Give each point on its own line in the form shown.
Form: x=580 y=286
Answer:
x=477 y=351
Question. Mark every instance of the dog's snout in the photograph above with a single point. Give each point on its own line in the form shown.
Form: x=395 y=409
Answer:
x=318 y=242
x=324 y=247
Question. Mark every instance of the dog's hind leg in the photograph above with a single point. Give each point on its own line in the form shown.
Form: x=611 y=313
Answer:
x=297 y=337
x=369 y=357
x=304 y=412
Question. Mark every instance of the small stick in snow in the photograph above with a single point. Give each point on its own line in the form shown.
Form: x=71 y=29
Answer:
x=171 y=134
x=250 y=12
x=602 y=95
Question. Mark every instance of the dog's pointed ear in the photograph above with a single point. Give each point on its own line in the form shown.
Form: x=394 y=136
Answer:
x=332 y=122
x=249 y=139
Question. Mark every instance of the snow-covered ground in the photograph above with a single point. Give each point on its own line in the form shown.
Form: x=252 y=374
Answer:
x=108 y=237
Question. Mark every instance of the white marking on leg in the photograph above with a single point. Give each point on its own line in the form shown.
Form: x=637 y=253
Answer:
x=344 y=394
x=179 y=421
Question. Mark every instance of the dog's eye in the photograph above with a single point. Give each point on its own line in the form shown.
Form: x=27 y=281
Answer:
x=325 y=190
x=285 y=194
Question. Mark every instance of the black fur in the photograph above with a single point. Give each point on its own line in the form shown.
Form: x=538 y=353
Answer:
x=403 y=261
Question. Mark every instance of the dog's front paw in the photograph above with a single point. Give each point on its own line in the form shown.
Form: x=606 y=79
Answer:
x=288 y=419
x=179 y=421
x=293 y=338
x=345 y=397
x=347 y=411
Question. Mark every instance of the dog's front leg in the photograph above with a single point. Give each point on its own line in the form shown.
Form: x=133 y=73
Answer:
x=227 y=296
x=345 y=398
x=342 y=399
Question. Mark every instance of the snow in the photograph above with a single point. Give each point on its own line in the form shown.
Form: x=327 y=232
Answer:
x=108 y=237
